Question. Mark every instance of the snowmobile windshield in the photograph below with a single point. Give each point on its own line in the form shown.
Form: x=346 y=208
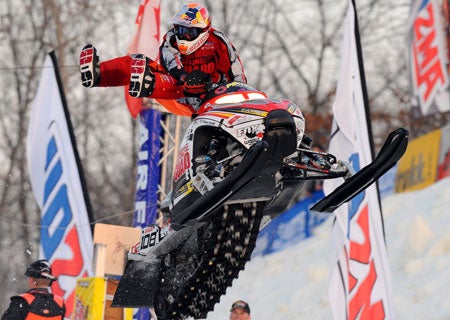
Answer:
x=234 y=92
x=239 y=97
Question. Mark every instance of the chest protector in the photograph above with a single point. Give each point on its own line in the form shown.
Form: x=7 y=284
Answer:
x=44 y=306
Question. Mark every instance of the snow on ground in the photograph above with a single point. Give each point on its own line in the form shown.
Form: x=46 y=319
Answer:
x=293 y=284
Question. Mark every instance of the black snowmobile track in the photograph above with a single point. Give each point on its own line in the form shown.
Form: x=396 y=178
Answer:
x=230 y=245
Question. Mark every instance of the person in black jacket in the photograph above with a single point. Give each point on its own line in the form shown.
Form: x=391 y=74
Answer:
x=38 y=302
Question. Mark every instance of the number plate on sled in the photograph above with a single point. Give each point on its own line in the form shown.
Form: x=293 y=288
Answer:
x=150 y=237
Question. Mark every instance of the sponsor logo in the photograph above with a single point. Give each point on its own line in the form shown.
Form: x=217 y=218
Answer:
x=362 y=272
x=250 y=131
x=362 y=278
x=254 y=112
x=417 y=168
x=86 y=56
x=147 y=175
x=140 y=207
x=183 y=163
x=413 y=175
x=138 y=66
x=428 y=58
x=60 y=237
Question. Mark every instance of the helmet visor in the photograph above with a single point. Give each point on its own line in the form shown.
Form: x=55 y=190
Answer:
x=188 y=34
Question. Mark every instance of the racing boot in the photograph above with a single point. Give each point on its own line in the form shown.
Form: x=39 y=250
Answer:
x=89 y=66
x=142 y=79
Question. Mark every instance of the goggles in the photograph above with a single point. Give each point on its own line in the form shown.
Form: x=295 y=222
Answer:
x=188 y=34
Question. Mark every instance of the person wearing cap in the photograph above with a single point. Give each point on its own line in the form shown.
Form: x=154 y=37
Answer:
x=38 y=303
x=240 y=310
x=193 y=55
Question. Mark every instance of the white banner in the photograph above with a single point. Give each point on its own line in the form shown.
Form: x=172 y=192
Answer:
x=360 y=285
x=66 y=237
x=428 y=58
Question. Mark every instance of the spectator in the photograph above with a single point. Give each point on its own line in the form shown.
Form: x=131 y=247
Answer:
x=38 y=303
x=240 y=310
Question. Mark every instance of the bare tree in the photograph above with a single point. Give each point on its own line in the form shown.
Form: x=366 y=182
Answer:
x=29 y=30
x=291 y=49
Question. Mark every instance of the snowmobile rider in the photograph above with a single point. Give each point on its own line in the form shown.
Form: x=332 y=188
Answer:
x=193 y=53
x=240 y=310
x=38 y=302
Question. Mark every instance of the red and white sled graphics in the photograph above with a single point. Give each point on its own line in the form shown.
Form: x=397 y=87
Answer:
x=244 y=156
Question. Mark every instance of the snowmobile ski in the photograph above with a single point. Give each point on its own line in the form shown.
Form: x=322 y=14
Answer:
x=392 y=150
x=243 y=158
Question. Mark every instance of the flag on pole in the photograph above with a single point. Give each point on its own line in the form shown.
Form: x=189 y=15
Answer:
x=147 y=33
x=360 y=284
x=58 y=185
x=146 y=40
x=428 y=58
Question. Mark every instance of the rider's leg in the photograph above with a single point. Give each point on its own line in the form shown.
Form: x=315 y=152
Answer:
x=110 y=73
x=115 y=72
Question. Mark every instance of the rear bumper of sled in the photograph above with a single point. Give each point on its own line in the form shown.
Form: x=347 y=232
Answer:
x=137 y=288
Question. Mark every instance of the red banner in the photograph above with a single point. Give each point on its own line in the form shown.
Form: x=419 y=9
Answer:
x=145 y=40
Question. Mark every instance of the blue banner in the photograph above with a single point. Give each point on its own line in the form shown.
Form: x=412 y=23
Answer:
x=291 y=227
x=148 y=170
x=147 y=178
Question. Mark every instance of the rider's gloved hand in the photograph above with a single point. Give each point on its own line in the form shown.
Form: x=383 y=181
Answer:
x=142 y=79
x=89 y=66
x=196 y=83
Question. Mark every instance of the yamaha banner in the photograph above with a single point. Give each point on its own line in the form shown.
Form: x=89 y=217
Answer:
x=58 y=186
x=360 y=284
x=428 y=59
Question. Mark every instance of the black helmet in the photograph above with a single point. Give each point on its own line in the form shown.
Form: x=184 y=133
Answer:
x=40 y=269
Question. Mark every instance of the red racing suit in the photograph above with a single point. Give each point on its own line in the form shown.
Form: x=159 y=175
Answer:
x=216 y=57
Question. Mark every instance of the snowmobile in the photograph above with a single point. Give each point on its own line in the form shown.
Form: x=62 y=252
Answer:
x=243 y=160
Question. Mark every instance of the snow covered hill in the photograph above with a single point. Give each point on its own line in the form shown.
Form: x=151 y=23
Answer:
x=293 y=284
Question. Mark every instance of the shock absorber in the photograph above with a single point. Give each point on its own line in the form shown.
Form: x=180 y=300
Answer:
x=213 y=148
